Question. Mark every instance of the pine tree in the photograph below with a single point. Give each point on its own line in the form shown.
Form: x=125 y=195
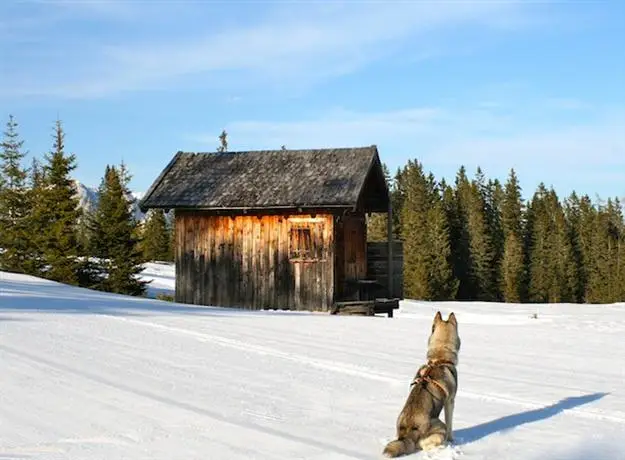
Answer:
x=493 y=196
x=223 y=142
x=115 y=241
x=460 y=238
x=57 y=212
x=442 y=283
x=481 y=261
x=563 y=258
x=377 y=229
x=156 y=239
x=617 y=265
x=34 y=259
x=512 y=279
x=414 y=214
x=398 y=196
x=551 y=254
x=512 y=206
x=585 y=233
x=512 y=268
x=450 y=208
x=579 y=215
x=620 y=252
x=14 y=202
x=428 y=272
x=606 y=273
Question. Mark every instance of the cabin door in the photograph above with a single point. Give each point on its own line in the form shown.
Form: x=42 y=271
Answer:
x=310 y=258
x=351 y=254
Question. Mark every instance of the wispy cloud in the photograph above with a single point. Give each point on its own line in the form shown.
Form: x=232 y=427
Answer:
x=303 y=45
x=586 y=153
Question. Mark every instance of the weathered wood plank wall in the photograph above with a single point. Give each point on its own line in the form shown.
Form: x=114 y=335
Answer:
x=355 y=243
x=377 y=265
x=255 y=262
x=350 y=233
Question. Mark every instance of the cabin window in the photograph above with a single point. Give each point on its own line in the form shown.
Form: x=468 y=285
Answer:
x=305 y=243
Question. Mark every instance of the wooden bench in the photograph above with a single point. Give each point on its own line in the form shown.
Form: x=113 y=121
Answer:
x=354 y=307
x=383 y=305
x=366 y=307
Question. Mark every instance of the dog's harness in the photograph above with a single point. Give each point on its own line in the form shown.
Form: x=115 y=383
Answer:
x=423 y=375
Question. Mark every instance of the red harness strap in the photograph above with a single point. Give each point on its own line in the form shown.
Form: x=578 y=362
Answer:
x=423 y=375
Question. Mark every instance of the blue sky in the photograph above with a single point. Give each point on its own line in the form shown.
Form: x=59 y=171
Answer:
x=534 y=85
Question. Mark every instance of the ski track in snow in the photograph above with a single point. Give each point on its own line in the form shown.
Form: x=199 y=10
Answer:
x=98 y=376
x=356 y=371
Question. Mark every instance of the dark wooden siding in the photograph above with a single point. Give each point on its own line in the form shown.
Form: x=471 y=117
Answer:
x=355 y=246
x=377 y=265
x=255 y=262
x=351 y=253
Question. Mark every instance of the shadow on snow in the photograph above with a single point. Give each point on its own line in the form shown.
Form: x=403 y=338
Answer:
x=503 y=424
x=49 y=296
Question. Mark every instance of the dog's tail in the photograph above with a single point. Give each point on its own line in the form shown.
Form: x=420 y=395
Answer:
x=399 y=447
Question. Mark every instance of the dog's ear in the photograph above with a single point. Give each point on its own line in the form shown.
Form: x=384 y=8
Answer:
x=452 y=319
x=438 y=318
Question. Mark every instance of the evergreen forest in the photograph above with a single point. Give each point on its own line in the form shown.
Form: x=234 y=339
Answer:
x=476 y=239
x=44 y=232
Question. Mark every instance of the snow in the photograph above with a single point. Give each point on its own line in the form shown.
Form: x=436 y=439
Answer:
x=92 y=375
x=162 y=277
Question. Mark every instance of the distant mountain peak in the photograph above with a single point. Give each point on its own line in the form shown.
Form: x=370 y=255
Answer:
x=88 y=200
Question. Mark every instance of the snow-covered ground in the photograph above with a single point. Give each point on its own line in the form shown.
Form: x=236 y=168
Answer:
x=162 y=277
x=90 y=375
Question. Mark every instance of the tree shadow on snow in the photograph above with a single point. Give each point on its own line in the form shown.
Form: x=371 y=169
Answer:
x=503 y=424
x=51 y=297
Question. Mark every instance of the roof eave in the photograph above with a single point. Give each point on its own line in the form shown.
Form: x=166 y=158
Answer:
x=157 y=182
x=244 y=209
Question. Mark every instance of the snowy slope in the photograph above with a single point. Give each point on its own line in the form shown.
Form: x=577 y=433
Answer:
x=89 y=375
x=162 y=277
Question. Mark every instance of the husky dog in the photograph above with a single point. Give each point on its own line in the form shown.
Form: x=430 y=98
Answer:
x=433 y=388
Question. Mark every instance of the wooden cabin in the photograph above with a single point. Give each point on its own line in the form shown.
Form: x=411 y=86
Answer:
x=278 y=229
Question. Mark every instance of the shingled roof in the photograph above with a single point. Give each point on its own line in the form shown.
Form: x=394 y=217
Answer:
x=313 y=178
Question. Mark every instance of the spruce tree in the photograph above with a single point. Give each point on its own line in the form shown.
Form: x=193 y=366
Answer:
x=442 y=283
x=428 y=272
x=619 y=221
x=580 y=217
x=617 y=239
x=57 y=212
x=34 y=260
x=512 y=269
x=454 y=234
x=398 y=196
x=14 y=202
x=156 y=239
x=605 y=275
x=460 y=239
x=563 y=258
x=585 y=234
x=481 y=260
x=223 y=142
x=414 y=215
x=551 y=254
x=114 y=231
x=512 y=206
x=512 y=279
x=493 y=196
x=377 y=222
